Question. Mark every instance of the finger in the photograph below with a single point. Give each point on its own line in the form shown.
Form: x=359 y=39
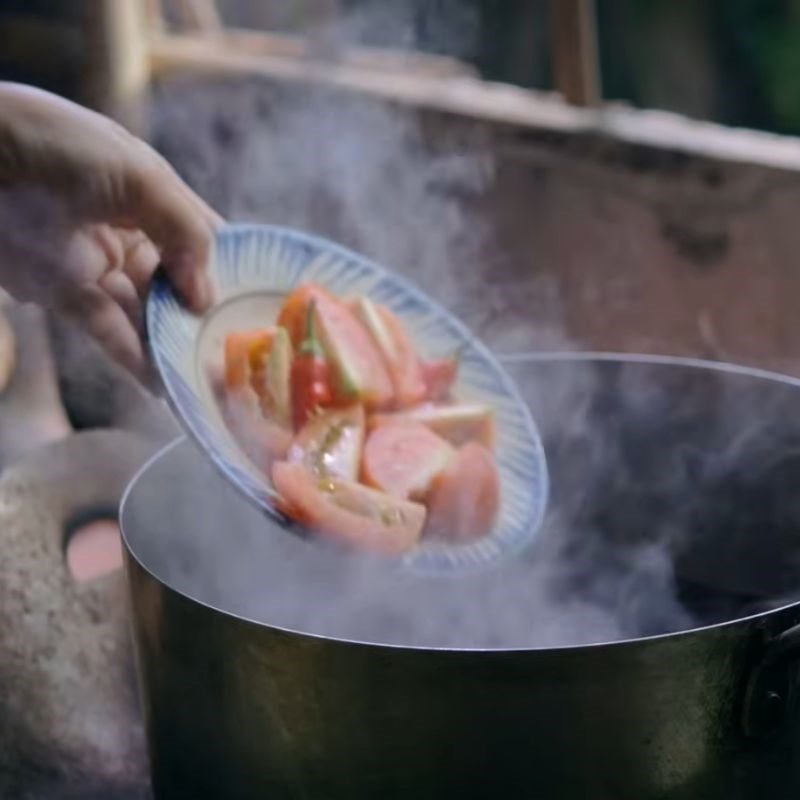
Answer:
x=90 y=252
x=139 y=261
x=179 y=225
x=159 y=162
x=122 y=291
x=105 y=320
x=105 y=237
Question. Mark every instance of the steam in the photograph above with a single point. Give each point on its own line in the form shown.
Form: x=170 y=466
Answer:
x=404 y=189
x=652 y=528
x=642 y=460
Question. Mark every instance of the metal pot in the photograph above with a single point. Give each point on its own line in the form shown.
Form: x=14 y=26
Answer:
x=644 y=647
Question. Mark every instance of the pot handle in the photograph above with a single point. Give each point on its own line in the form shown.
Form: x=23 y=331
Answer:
x=769 y=693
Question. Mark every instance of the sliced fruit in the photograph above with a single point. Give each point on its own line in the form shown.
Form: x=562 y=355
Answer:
x=465 y=498
x=410 y=386
x=372 y=319
x=397 y=350
x=439 y=377
x=277 y=378
x=245 y=352
x=330 y=443
x=263 y=440
x=348 y=512
x=359 y=370
x=404 y=459
x=294 y=311
x=458 y=424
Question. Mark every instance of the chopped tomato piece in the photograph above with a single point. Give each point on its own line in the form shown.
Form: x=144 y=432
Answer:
x=294 y=312
x=330 y=443
x=357 y=432
x=458 y=424
x=360 y=374
x=348 y=512
x=277 y=379
x=404 y=459
x=439 y=377
x=245 y=353
x=405 y=369
x=465 y=498
x=261 y=439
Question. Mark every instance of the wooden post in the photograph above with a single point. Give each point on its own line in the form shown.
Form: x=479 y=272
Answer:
x=154 y=16
x=321 y=21
x=117 y=66
x=200 y=16
x=574 y=51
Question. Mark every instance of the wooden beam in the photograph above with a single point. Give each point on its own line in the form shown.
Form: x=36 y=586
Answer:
x=576 y=69
x=116 y=70
x=462 y=94
x=199 y=15
x=383 y=59
x=483 y=101
x=154 y=16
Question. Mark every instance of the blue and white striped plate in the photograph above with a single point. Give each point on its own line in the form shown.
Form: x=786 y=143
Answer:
x=253 y=267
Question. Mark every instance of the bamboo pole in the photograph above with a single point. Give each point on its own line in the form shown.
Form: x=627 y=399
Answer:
x=576 y=68
x=154 y=15
x=117 y=66
x=201 y=16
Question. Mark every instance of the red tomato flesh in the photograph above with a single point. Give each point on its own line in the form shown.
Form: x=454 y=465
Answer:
x=330 y=443
x=245 y=354
x=348 y=512
x=439 y=377
x=465 y=498
x=404 y=459
x=409 y=383
x=357 y=364
x=261 y=439
x=457 y=424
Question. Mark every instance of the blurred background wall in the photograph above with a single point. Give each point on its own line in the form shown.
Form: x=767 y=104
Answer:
x=736 y=62
x=525 y=229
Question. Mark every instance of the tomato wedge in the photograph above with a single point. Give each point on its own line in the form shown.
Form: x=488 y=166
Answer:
x=330 y=443
x=458 y=424
x=465 y=498
x=348 y=512
x=261 y=439
x=276 y=380
x=439 y=377
x=404 y=459
x=294 y=312
x=359 y=371
x=245 y=353
x=409 y=381
x=396 y=349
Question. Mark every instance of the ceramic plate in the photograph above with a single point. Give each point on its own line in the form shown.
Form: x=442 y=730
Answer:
x=254 y=266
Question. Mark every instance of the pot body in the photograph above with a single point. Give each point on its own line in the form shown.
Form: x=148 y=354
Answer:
x=237 y=710
x=241 y=709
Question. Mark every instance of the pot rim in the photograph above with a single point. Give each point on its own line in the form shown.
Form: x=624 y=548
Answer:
x=508 y=358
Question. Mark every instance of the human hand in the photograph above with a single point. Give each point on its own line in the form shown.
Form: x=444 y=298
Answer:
x=87 y=213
